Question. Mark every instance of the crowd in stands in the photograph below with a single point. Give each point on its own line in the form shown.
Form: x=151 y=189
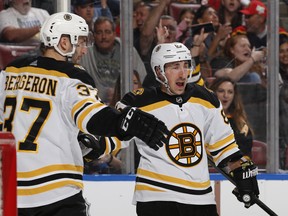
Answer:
x=233 y=54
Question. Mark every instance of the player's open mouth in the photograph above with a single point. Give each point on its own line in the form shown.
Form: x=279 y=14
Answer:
x=180 y=84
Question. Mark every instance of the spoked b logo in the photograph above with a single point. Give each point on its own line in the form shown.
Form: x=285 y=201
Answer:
x=185 y=145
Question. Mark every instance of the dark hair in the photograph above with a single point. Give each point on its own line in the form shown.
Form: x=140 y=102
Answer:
x=184 y=11
x=283 y=38
x=103 y=19
x=236 y=108
x=200 y=12
x=236 y=20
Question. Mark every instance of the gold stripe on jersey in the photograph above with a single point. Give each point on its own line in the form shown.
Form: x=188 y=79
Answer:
x=145 y=187
x=155 y=106
x=85 y=113
x=81 y=104
x=50 y=186
x=49 y=169
x=173 y=180
x=221 y=143
x=202 y=102
x=34 y=70
x=196 y=70
x=118 y=145
x=228 y=148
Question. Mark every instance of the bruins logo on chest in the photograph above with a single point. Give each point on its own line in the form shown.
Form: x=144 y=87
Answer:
x=185 y=145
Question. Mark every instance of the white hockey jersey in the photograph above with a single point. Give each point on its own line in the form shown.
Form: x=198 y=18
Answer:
x=178 y=171
x=44 y=103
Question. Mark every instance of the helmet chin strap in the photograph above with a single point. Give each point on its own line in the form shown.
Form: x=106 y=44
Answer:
x=165 y=84
x=168 y=89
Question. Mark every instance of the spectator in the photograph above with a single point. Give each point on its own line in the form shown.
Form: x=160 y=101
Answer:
x=145 y=38
x=283 y=56
x=85 y=9
x=148 y=38
x=255 y=15
x=186 y=17
x=283 y=98
x=103 y=59
x=227 y=92
x=214 y=41
x=102 y=9
x=240 y=62
x=175 y=179
x=167 y=30
x=20 y=23
x=59 y=94
x=229 y=13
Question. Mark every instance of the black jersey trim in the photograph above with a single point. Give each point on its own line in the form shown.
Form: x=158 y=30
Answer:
x=50 y=178
x=80 y=110
x=173 y=187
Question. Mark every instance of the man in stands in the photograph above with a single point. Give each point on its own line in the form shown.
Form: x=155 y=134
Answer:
x=21 y=23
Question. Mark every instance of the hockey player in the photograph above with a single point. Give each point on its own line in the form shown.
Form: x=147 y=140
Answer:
x=174 y=180
x=44 y=101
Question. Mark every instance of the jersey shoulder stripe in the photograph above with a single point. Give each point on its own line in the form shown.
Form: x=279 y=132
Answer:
x=49 y=66
x=201 y=92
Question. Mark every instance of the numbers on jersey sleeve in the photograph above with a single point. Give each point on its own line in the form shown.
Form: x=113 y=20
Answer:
x=84 y=90
x=29 y=143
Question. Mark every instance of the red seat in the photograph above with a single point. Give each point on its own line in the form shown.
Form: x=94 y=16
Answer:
x=259 y=151
x=10 y=52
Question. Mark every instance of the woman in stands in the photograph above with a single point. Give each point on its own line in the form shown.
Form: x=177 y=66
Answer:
x=227 y=92
x=240 y=62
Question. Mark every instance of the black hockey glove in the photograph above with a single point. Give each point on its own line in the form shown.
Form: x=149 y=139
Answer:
x=246 y=183
x=91 y=142
x=144 y=126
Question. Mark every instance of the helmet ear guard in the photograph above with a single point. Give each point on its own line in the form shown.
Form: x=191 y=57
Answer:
x=63 y=23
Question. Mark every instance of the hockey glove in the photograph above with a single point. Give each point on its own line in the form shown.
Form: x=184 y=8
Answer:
x=91 y=142
x=144 y=126
x=246 y=183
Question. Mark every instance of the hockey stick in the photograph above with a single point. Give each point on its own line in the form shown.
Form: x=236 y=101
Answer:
x=256 y=199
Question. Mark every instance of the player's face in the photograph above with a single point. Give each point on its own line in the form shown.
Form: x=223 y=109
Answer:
x=176 y=73
x=81 y=49
x=225 y=94
x=283 y=54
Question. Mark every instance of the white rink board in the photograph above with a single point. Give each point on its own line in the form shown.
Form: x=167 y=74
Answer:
x=112 y=195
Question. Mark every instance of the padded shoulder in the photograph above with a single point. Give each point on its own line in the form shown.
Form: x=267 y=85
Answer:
x=73 y=71
x=203 y=93
x=142 y=97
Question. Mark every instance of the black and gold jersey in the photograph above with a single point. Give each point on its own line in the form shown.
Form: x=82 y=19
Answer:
x=44 y=103
x=178 y=171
